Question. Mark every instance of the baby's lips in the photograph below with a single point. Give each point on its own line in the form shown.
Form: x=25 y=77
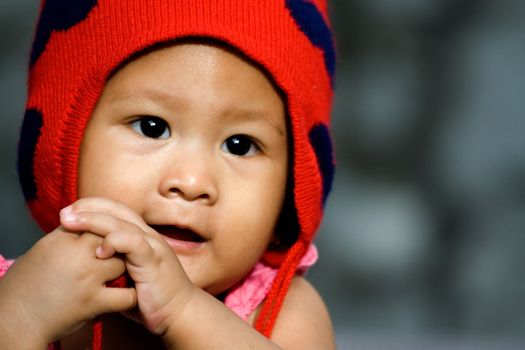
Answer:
x=181 y=234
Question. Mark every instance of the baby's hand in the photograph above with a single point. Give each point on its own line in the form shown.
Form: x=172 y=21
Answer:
x=163 y=288
x=58 y=285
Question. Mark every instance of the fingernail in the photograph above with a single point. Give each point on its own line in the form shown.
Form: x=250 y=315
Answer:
x=66 y=210
x=99 y=251
x=68 y=217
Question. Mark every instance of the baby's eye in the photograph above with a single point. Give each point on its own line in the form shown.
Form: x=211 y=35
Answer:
x=240 y=145
x=153 y=127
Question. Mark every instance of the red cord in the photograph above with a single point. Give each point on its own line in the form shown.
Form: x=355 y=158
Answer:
x=97 y=334
x=121 y=282
x=270 y=310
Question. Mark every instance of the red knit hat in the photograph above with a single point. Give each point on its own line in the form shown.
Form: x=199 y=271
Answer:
x=79 y=43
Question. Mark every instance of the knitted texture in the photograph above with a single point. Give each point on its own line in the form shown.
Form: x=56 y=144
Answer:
x=79 y=43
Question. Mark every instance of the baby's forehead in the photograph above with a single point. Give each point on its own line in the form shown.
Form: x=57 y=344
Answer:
x=196 y=78
x=203 y=65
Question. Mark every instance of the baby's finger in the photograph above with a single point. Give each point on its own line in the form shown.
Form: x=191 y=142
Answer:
x=96 y=222
x=90 y=239
x=111 y=268
x=108 y=206
x=134 y=245
x=117 y=299
x=104 y=251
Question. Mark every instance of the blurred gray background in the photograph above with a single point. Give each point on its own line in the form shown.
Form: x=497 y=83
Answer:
x=422 y=246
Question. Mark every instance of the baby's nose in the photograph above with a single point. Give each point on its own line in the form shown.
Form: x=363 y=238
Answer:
x=191 y=182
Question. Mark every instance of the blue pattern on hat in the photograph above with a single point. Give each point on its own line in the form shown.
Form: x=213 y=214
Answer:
x=313 y=25
x=58 y=15
x=31 y=127
x=320 y=140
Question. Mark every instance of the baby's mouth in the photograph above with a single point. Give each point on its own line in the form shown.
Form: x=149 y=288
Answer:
x=177 y=233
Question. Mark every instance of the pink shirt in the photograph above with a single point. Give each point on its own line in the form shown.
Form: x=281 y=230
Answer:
x=252 y=290
x=5 y=265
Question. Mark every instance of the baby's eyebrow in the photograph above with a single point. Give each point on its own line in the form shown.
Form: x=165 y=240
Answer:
x=142 y=94
x=241 y=114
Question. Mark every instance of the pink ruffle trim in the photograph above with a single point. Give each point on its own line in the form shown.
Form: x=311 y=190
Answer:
x=252 y=290
x=5 y=265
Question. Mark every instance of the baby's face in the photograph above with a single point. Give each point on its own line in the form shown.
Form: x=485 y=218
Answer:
x=193 y=138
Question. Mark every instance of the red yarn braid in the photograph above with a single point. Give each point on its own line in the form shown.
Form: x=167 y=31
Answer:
x=274 y=300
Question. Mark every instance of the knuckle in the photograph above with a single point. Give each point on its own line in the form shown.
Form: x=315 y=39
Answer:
x=54 y=238
x=137 y=239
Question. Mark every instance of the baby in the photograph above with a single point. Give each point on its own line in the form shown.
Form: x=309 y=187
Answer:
x=178 y=154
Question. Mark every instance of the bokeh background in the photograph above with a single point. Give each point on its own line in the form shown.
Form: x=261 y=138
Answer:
x=422 y=246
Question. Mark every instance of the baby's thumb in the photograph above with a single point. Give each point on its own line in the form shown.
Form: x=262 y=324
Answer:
x=118 y=299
